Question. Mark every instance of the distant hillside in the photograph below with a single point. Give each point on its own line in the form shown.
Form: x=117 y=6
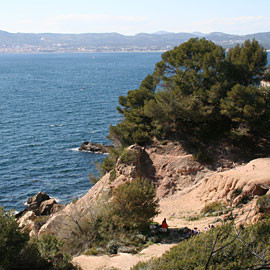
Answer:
x=113 y=42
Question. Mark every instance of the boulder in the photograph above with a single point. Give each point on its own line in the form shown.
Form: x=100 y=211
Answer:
x=94 y=147
x=46 y=206
x=38 y=198
x=40 y=204
x=26 y=220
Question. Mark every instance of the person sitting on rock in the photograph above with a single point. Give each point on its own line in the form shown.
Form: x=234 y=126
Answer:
x=164 y=225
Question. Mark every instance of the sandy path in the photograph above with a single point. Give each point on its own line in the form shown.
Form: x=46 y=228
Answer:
x=123 y=261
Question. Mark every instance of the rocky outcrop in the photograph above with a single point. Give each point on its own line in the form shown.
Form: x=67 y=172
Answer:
x=94 y=147
x=174 y=172
x=252 y=179
x=61 y=223
x=39 y=205
x=169 y=167
x=175 y=168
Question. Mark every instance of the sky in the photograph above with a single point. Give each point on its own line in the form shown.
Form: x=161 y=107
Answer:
x=130 y=17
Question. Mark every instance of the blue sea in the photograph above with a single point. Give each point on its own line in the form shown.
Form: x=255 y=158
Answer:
x=49 y=105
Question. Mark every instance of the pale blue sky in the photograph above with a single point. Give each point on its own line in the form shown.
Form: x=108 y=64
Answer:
x=135 y=16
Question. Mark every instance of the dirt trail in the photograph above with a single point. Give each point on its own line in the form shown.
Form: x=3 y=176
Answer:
x=123 y=261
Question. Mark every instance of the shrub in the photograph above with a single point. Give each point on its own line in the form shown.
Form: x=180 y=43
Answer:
x=202 y=156
x=213 y=207
x=117 y=221
x=112 y=175
x=263 y=203
x=128 y=157
x=245 y=199
x=18 y=251
x=193 y=218
x=93 y=178
x=75 y=200
x=135 y=204
x=109 y=162
x=92 y=252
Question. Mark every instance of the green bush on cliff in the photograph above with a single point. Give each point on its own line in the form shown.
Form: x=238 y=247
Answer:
x=128 y=157
x=198 y=89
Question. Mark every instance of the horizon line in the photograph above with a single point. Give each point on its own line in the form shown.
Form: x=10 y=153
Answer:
x=154 y=33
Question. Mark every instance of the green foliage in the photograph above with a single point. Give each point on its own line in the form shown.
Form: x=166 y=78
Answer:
x=75 y=200
x=202 y=156
x=41 y=220
x=244 y=199
x=12 y=240
x=243 y=104
x=117 y=221
x=93 y=178
x=91 y=252
x=247 y=62
x=193 y=218
x=266 y=75
x=213 y=207
x=109 y=162
x=263 y=203
x=134 y=204
x=112 y=175
x=107 y=165
x=199 y=90
x=219 y=249
x=128 y=157
x=136 y=126
x=52 y=249
x=18 y=251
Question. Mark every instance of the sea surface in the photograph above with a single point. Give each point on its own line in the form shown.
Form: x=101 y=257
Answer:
x=49 y=105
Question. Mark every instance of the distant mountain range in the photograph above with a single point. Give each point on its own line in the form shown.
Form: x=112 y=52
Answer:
x=114 y=42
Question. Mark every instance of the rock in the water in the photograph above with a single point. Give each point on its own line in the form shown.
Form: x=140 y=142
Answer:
x=38 y=199
x=94 y=147
x=40 y=204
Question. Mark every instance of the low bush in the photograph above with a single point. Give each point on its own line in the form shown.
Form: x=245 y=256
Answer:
x=128 y=157
x=91 y=252
x=109 y=162
x=213 y=207
x=18 y=251
x=93 y=178
x=112 y=175
x=263 y=203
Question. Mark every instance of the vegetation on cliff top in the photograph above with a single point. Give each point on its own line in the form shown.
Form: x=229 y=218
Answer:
x=198 y=90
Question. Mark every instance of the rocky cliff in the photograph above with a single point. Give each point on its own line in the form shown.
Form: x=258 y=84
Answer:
x=184 y=185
